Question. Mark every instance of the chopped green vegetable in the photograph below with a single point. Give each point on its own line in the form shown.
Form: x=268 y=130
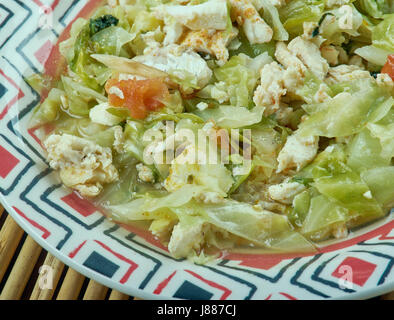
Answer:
x=232 y=117
x=380 y=182
x=375 y=8
x=296 y=12
x=347 y=113
x=352 y=193
x=322 y=216
x=49 y=110
x=364 y=152
x=301 y=204
x=101 y=23
x=382 y=42
x=253 y=50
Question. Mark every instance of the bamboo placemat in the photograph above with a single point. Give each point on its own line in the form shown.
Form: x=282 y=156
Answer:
x=20 y=261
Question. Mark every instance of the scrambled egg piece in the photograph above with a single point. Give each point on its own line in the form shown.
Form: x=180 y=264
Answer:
x=246 y=15
x=271 y=88
x=331 y=54
x=276 y=81
x=297 y=152
x=208 y=15
x=340 y=231
x=205 y=26
x=83 y=165
x=288 y=59
x=145 y=173
x=284 y=114
x=179 y=62
x=211 y=41
x=310 y=55
x=118 y=139
x=185 y=238
x=345 y=72
x=285 y=191
x=99 y=114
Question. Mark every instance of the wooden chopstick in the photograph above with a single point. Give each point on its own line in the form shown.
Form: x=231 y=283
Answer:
x=71 y=285
x=56 y=268
x=388 y=296
x=95 y=291
x=10 y=235
x=116 y=295
x=21 y=270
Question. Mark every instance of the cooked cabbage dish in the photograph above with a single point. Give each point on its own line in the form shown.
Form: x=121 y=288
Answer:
x=228 y=125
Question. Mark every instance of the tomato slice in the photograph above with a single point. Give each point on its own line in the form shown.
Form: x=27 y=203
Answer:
x=389 y=66
x=139 y=96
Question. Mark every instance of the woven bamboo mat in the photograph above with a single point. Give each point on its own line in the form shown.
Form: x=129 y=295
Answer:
x=20 y=261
